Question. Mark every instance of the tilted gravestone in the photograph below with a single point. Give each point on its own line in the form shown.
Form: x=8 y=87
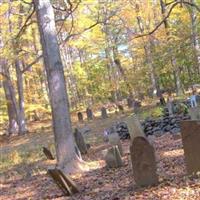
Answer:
x=143 y=162
x=79 y=139
x=48 y=153
x=194 y=113
x=112 y=157
x=134 y=127
x=63 y=181
x=190 y=132
x=104 y=114
x=114 y=140
x=89 y=114
x=80 y=117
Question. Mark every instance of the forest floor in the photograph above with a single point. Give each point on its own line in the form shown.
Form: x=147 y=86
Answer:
x=23 y=169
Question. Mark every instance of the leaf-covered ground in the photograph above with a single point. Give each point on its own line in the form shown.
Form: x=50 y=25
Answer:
x=102 y=183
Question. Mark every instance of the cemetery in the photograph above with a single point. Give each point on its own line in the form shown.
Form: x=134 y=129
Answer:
x=99 y=100
x=126 y=162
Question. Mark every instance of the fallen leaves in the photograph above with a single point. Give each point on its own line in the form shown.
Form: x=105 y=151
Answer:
x=101 y=183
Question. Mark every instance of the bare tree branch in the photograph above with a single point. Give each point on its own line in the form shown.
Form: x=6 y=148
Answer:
x=167 y=16
x=31 y=64
x=26 y=24
x=25 y=2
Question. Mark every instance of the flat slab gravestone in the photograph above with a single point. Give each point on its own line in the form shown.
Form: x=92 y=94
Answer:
x=112 y=157
x=114 y=140
x=190 y=132
x=48 y=153
x=104 y=113
x=143 y=162
x=63 y=181
x=134 y=126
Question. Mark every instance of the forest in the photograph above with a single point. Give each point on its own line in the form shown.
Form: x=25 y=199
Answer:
x=70 y=70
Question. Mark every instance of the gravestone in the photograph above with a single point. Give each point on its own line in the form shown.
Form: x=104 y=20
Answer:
x=104 y=114
x=121 y=108
x=130 y=102
x=48 y=153
x=169 y=106
x=143 y=162
x=190 y=132
x=134 y=127
x=194 y=113
x=114 y=140
x=79 y=139
x=63 y=181
x=112 y=157
x=89 y=114
x=80 y=117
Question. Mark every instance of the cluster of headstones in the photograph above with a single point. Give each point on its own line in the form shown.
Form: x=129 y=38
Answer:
x=164 y=124
x=90 y=115
x=121 y=128
x=142 y=152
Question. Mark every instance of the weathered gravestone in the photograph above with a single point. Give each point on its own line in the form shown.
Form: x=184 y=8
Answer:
x=169 y=106
x=63 y=181
x=134 y=127
x=114 y=140
x=104 y=114
x=112 y=157
x=47 y=153
x=121 y=108
x=143 y=162
x=79 y=139
x=80 y=117
x=89 y=114
x=190 y=132
x=194 y=113
x=130 y=102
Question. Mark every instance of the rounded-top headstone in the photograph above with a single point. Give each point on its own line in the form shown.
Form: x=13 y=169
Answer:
x=143 y=162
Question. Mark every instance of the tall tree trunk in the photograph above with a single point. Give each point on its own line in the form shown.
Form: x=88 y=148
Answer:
x=176 y=73
x=195 y=39
x=12 y=108
x=13 y=126
x=149 y=61
x=64 y=140
x=117 y=62
x=20 y=89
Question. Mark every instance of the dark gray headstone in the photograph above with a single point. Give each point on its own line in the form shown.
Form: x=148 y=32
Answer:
x=80 y=117
x=190 y=132
x=79 y=139
x=143 y=162
x=130 y=102
x=89 y=114
x=104 y=114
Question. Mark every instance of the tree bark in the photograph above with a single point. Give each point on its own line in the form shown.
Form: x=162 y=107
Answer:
x=195 y=39
x=12 y=108
x=177 y=80
x=20 y=89
x=149 y=61
x=13 y=126
x=64 y=140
